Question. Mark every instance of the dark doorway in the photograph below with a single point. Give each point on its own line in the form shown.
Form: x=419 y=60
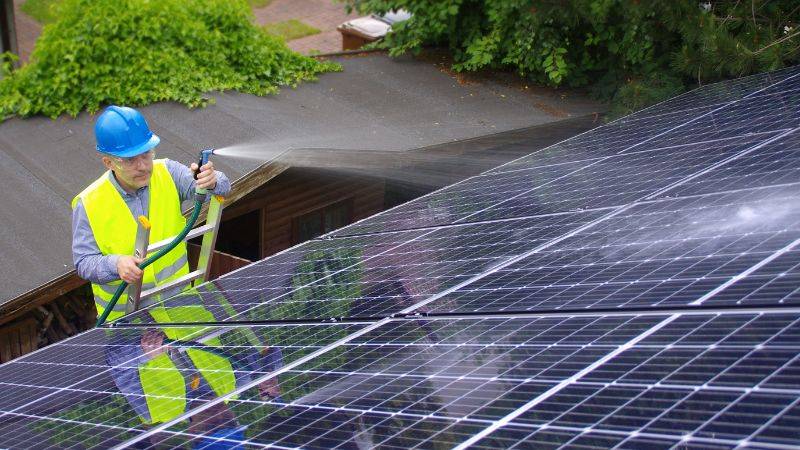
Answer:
x=240 y=236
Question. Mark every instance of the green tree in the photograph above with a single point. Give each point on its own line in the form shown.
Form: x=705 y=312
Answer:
x=637 y=51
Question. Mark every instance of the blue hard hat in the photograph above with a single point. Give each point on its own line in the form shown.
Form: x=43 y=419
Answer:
x=234 y=440
x=123 y=132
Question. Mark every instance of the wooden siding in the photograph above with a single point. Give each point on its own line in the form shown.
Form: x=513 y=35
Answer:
x=221 y=263
x=299 y=191
x=18 y=338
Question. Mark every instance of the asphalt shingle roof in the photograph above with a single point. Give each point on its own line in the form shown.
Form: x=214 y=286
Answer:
x=375 y=103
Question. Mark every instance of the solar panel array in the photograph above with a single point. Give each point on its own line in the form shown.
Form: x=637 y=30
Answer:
x=636 y=286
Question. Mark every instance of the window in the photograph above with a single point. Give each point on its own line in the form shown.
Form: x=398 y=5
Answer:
x=318 y=222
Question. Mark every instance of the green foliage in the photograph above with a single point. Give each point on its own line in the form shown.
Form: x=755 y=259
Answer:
x=43 y=11
x=290 y=29
x=136 y=52
x=74 y=429
x=635 y=51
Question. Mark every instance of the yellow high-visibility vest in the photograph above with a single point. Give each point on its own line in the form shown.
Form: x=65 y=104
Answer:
x=114 y=229
x=163 y=384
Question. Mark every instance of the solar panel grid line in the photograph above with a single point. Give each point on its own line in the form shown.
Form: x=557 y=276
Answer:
x=659 y=192
x=72 y=421
x=679 y=442
x=476 y=222
x=647 y=112
x=678 y=98
x=252 y=384
x=26 y=358
x=746 y=273
x=635 y=153
x=765 y=426
x=692 y=387
x=31 y=442
x=555 y=389
x=544 y=396
x=721 y=163
x=551 y=326
x=676 y=386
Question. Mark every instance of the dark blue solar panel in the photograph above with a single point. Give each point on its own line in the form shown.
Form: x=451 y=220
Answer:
x=87 y=391
x=661 y=253
x=718 y=378
x=373 y=281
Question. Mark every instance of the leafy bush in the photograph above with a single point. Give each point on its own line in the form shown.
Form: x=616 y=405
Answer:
x=137 y=52
x=636 y=51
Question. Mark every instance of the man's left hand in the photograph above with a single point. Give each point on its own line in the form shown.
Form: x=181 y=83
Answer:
x=207 y=178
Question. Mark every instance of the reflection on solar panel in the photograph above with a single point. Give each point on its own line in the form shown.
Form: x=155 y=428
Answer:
x=637 y=286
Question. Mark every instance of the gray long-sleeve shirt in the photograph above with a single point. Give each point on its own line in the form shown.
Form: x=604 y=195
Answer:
x=91 y=264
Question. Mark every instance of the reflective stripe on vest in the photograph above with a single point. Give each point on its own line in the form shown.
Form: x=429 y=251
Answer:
x=114 y=229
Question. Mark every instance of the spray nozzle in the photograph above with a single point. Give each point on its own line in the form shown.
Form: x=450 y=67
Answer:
x=204 y=155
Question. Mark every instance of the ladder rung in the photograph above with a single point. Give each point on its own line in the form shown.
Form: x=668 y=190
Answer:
x=176 y=282
x=192 y=234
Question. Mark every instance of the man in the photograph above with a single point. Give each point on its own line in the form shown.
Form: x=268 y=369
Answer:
x=104 y=214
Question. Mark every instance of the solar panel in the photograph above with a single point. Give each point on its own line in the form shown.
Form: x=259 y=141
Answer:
x=616 y=375
x=636 y=286
x=374 y=280
x=87 y=389
x=668 y=252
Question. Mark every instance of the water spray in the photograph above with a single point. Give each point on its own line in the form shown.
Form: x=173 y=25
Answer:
x=413 y=168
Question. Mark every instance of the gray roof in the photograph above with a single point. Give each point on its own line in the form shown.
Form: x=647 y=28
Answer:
x=376 y=103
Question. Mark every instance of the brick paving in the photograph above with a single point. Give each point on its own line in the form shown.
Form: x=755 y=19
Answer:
x=27 y=31
x=325 y=15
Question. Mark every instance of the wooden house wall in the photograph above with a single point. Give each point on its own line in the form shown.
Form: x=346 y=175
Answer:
x=298 y=193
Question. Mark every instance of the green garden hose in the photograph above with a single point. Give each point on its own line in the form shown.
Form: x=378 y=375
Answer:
x=198 y=204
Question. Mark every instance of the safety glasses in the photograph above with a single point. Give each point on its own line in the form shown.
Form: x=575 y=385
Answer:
x=145 y=158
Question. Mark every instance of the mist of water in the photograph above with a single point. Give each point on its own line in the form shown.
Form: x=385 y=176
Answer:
x=418 y=168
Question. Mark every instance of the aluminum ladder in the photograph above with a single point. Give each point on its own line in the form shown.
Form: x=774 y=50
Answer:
x=209 y=232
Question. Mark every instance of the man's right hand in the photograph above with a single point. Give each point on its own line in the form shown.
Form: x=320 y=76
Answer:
x=128 y=270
